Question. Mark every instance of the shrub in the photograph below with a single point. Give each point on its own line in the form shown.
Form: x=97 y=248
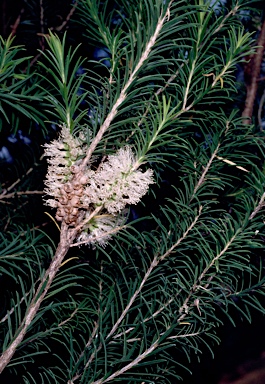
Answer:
x=155 y=191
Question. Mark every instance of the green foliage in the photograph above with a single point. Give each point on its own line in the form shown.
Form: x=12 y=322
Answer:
x=18 y=90
x=64 y=81
x=141 y=308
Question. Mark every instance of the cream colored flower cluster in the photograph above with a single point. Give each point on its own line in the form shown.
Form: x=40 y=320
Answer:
x=64 y=155
x=77 y=191
x=115 y=184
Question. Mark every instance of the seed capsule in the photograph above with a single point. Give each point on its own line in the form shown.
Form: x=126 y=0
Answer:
x=74 y=169
x=63 y=200
x=83 y=180
x=68 y=188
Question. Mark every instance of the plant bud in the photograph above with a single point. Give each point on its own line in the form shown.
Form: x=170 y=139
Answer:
x=74 y=211
x=83 y=179
x=74 y=168
x=79 y=192
x=76 y=184
x=74 y=201
x=68 y=188
x=63 y=200
x=60 y=212
x=58 y=218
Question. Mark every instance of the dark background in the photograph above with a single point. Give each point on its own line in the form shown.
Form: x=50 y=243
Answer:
x=240 y=357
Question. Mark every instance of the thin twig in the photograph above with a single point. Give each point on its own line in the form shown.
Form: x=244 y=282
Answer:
x=261 y=105
x=206 y=169
x=42 y=30
x=258 y=207
x=69 y=318
x=67 y=19
x=105 y=126
x=231 y=13
x=184 y=309
x=156 y=313
x=17 y=22
x=132 y=364
x=19 y=193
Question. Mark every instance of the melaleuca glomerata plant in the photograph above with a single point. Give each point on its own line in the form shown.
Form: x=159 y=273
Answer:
x=93 y=200
x=149 y=132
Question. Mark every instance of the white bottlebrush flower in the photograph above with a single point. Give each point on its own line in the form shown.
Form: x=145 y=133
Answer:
x=76 y=192
x=62 y=154
x=116 y=183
